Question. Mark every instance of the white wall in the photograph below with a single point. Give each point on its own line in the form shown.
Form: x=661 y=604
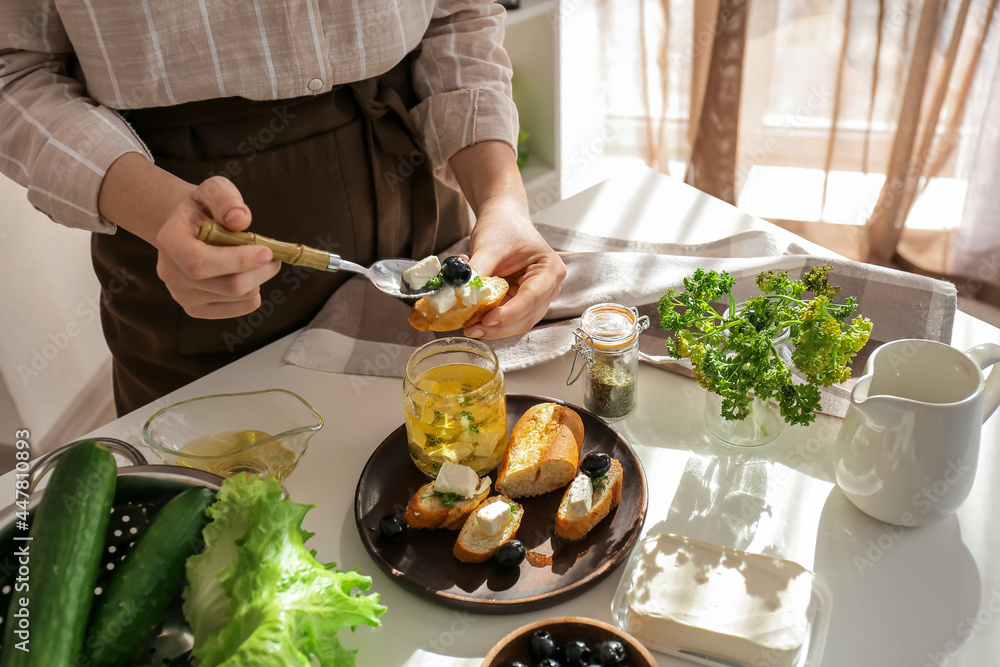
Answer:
x=53 y=360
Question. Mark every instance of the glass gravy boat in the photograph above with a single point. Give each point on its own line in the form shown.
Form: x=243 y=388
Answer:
x=263 y=433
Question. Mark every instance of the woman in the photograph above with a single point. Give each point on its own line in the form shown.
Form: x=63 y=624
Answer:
x=334 y=124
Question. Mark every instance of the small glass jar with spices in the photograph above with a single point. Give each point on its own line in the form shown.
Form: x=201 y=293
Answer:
x=608 y=341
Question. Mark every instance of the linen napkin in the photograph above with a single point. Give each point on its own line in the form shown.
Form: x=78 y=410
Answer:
x=364 y=332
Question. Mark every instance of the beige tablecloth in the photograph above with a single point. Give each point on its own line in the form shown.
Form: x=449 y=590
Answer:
x=365 y=332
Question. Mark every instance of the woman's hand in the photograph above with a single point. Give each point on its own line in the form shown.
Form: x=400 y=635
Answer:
x=212 y=282
x=505 y=243
x=207 y=281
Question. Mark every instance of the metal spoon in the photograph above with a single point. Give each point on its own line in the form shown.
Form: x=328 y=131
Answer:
x=385 y=274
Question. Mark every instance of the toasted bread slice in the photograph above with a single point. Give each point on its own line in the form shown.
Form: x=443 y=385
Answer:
x=475 y=546
x=543 y=451
x=606 y=498
x=424 y=317
x=425 y=510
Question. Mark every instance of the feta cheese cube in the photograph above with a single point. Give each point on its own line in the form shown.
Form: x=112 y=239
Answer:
x=443 y=300
x=486 y=443
x=460 y=451
x=581 y=496
x=469 y=294
x=417 y=275
x=493 y=517
x=453 y=478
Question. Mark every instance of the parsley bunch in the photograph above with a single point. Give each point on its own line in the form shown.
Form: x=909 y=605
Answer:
x=734 y=355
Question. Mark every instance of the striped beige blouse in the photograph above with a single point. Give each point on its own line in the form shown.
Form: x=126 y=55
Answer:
x=63 y=68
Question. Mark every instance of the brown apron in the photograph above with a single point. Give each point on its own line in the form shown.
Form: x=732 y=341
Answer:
x=340 y=171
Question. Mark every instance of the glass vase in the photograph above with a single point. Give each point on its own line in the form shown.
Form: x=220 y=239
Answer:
x=761 y=426
x=764 y=423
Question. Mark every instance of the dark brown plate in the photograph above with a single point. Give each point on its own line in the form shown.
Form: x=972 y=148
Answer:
x=554 y=571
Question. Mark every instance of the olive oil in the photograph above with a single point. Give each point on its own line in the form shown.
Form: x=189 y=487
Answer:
x=231 y=452
x=456 y=413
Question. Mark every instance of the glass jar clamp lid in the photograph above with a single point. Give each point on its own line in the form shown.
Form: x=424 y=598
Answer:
x=607 y=339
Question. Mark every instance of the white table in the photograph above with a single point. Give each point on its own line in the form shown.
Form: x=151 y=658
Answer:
x=901 y=596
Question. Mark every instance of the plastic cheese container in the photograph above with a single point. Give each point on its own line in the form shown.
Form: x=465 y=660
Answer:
x=713 y=605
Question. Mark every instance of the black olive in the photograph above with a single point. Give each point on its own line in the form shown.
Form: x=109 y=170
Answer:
x=613 y=652
x=542 y=645
x=513 y=663
x=576 y=654
x=595 y=465
x=549 y=662
x=456 y=271
x=392 y=527
x=510 y=554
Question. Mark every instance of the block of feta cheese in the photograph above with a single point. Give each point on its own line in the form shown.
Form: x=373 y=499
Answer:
x=692 y=596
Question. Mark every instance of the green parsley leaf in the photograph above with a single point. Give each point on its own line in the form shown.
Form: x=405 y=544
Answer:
x=477 y=281
x=735 y=356
x=473 y=426
x=435 y=283
x=447 y=499
x=597 y=483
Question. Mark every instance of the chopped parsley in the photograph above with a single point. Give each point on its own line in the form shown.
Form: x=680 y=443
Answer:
x=473 y=426
x=477 y=281
x=438 y=416
x=597 y=482
x=433 y=440
x=513 y=510
x=435 y=283
x=447 y=499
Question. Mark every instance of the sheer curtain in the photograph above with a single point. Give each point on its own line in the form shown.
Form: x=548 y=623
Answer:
x=868 y=122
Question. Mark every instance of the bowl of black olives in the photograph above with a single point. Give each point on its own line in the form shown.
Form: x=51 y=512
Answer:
x=569 y=641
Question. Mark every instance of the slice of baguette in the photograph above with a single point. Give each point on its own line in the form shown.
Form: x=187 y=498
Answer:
x=425 y=510
x=424 y=317
x=606 y=499
x=543 y=451
x=475 y=546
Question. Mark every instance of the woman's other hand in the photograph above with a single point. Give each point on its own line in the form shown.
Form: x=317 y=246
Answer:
x=504 y=241
x=209 y=282
x=212 y=282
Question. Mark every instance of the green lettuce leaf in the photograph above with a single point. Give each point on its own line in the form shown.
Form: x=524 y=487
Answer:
x=257 y=597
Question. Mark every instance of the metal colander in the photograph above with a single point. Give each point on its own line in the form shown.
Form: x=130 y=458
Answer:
x=141 y=490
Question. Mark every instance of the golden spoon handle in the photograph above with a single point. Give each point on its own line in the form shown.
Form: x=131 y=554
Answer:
x=290 y=253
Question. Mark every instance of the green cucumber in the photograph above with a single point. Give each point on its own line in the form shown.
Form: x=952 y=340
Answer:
x=127 y=615
x=63 y=558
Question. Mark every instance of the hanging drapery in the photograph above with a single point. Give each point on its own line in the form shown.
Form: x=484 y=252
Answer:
x=871 y=108
x=712 y=167
x=915 y=133
x=975 y=257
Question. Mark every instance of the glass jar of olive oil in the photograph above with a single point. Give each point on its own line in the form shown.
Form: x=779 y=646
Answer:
x=608 y=341
x=455 y=405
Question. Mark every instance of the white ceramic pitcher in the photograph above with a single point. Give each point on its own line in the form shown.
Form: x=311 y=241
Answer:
x=909 y=445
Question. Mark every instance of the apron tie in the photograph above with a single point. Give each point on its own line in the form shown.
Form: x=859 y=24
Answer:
x=397 y=157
